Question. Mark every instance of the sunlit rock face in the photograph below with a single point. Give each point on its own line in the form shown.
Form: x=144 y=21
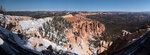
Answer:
x=104 y=45
x=81 y=32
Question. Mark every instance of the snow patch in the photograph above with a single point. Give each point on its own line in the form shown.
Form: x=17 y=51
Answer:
x=45 y=45
x=30 y=23
x=54 y=46
x=1 y=41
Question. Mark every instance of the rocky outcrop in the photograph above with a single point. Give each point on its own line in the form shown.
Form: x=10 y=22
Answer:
x=124 y=33
x=83 y=30
x=13 y=44
x=11 y=23
x=104 y=45
x=31 y=31
x=24 y=27
x=124 y=41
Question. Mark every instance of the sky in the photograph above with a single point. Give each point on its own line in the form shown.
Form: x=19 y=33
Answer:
x=76 y=5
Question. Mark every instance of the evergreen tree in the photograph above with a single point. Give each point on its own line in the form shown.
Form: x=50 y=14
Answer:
x=1 y=9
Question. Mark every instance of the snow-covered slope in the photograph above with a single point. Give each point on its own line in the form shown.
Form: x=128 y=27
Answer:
x=33 y=25
x=15 y=39
x=36 y=22
x=10 y=40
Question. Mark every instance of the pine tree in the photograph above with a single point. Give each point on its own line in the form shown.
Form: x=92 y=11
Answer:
x=1 y=9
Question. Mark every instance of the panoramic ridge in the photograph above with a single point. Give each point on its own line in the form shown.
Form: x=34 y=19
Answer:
x=74 y=27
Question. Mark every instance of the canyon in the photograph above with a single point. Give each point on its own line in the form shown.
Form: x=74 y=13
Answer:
x=67 y=34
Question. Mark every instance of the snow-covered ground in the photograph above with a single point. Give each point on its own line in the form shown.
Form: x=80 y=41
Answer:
x=45 y=45
x=36 y=22
x=30 y=25
x=16 y=39
x=33 y=24
x=27 y=26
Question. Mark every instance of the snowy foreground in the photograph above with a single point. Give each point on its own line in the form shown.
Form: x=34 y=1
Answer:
x=15 y=39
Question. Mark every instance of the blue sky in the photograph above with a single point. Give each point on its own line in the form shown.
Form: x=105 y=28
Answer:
x=76 y=5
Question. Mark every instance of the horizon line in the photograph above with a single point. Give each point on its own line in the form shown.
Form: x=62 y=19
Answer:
x=67 y=11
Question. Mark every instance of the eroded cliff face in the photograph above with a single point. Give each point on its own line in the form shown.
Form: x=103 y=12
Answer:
x=73 y=33
x=68 y=33
x=11 y=23
x=83 y=30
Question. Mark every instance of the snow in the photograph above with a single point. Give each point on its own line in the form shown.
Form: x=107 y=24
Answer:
x=8 y=48
x=28 y=45
x=16 y=39
x=75 y=51
x=40 y=48
x=45 y=45
x=13 y=36
x=30 y=23
x=26 y=27
x=1 y=41
x=54 y=46
x=33 y=25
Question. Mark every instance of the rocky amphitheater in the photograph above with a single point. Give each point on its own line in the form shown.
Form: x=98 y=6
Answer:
x=69 y=34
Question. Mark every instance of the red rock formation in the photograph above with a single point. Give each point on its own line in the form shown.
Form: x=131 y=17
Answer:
x=71 y=19
x=66 y=46
x=82 y=31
